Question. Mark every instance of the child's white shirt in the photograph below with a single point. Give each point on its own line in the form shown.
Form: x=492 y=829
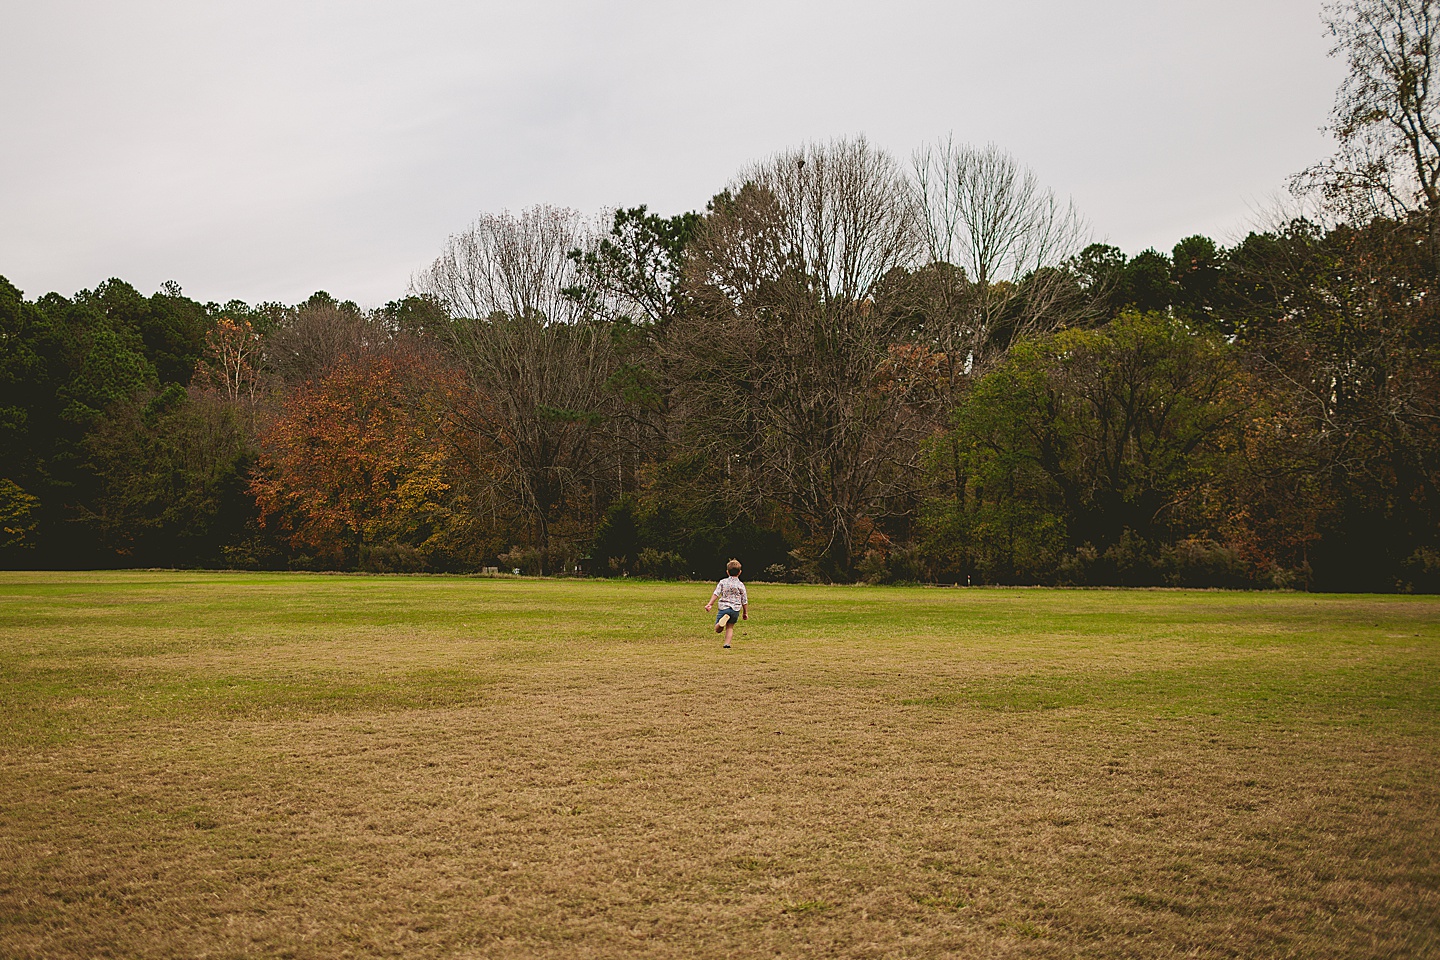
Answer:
x=732 y=593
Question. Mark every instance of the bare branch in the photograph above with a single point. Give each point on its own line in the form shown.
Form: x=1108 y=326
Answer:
x=987 y=215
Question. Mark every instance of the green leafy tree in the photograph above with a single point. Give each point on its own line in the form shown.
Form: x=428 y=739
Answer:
x=17 y=521
x=1099 y=269
x=632 y=279
x=635 y=272
x=1079 y=437
x=65 y=363
x=170 y=326
x=1196 y=265
x=170 y=479
x=677 y=515
x=1147 y=284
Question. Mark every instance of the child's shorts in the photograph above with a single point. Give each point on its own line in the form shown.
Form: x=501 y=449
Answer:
x=734 y=614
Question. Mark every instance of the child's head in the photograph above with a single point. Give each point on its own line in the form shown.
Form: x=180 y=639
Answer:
x=733 y=568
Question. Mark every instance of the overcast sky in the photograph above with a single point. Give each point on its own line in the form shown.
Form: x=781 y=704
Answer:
x=264 y=150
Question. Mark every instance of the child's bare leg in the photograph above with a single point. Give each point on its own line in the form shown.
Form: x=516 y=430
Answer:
x=729 y=632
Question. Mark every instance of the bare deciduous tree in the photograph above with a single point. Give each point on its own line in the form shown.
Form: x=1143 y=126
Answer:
x=537 y=369
x=790 y=358
x=311 y=338
x=235 y=350
x=987 y=215
x=516 y=266
x=995 y=240
x=1386 y=118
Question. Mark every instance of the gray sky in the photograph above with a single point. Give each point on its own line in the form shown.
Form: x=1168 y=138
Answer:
x=264 y=150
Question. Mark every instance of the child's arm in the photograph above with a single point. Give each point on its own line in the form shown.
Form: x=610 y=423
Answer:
x=744 y=611
x=713 y=597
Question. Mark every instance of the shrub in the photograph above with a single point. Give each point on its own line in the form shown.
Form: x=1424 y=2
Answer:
x=660 y=564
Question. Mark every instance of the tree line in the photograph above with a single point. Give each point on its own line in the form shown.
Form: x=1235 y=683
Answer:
x=846 y=367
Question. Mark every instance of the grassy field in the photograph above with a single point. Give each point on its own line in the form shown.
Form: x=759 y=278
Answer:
x=229 y=765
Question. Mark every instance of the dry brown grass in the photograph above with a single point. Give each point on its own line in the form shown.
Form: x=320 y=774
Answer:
x=453 y=768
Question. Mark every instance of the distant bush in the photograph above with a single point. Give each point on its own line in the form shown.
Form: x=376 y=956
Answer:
x=660 y=564
x=776 y=573
x=392 y=558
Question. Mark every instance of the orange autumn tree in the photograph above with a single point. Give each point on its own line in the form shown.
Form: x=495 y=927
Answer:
x=356 y=465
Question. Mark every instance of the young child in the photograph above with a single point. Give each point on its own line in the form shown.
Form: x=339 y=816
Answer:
x=734 y=602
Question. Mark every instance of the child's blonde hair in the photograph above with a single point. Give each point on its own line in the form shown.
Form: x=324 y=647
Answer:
x=733 y=567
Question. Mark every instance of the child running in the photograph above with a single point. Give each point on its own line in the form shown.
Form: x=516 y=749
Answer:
x=734 y=602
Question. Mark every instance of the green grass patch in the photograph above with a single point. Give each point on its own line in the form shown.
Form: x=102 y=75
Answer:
x=314 y=765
